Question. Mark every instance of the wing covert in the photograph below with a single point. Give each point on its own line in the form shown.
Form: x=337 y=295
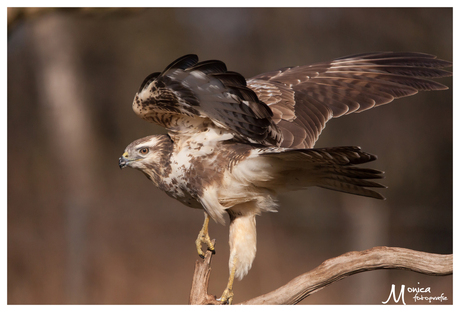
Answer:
x=189 y=96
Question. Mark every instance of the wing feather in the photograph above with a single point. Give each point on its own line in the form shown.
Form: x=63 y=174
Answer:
x=288 y=107
x=316 y=93
x=189 y=97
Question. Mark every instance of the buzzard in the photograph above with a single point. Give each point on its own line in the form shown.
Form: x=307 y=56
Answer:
x=234 y=144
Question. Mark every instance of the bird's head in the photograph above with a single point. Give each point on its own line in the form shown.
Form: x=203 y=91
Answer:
x=147 y=153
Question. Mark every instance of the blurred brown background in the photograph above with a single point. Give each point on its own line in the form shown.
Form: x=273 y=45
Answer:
x=82 y=231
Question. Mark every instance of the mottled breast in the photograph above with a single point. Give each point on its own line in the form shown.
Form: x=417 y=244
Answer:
x=198 y=164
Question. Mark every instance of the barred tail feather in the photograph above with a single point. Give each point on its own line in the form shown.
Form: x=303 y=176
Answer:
x=347 y=180
x=330 y=168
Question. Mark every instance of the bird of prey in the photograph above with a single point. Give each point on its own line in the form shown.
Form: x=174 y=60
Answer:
x=234 y=144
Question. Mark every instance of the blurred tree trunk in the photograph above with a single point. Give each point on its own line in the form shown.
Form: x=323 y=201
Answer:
x=67 y=120
x=367 y=226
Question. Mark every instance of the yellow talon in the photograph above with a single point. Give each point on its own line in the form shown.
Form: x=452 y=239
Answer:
x=203 y=237
x=227 y=295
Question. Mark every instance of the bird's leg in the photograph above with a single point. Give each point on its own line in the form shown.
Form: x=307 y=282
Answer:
x=227 y=295
x=203 y=237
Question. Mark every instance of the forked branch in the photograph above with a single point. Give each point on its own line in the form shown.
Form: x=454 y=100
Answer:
x=330 y=271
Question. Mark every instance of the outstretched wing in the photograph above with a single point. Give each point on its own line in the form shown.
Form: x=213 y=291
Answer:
x=189 y=97
x=304 y=98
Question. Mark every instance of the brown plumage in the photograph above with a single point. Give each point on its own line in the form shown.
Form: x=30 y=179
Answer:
x=234 y=144
x=304 y=98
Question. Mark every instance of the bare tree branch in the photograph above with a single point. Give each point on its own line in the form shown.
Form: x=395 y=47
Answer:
x=335 y=269
x=199 y=292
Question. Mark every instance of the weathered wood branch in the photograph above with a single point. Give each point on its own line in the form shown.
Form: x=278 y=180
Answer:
x=330 y=271
x=199 y=292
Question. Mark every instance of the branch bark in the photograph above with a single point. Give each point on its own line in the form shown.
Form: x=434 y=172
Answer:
x=200 y=282
x=335 y=269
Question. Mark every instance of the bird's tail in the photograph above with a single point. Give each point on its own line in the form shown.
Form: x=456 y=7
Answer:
x=331 y=168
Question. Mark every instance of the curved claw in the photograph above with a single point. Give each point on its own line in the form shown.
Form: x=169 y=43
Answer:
x=203 y=237
x=227 y=296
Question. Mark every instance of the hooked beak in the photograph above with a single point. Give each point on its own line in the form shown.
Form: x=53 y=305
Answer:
x=123 y=161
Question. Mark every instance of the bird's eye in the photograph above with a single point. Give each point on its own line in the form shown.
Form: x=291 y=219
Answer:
x=144 y=151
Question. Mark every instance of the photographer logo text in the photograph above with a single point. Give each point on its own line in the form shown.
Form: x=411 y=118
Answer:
x=418 y=294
